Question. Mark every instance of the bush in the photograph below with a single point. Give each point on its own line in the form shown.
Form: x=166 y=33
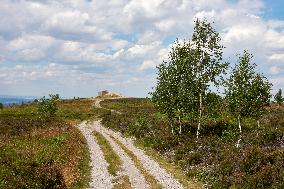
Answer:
x=1 y=106
x=214 y=158
x=47 y=107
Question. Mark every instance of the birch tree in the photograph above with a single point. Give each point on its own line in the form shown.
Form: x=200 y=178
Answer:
x=207 y=64
x=261 y=96
x=164 y=94
x=239 y=87
x=173 y=95
x=193 y=66
x=278 y=97
x=247 y=91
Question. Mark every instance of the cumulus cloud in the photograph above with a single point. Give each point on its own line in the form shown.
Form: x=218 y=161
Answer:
x=55 y=40
x=147 y=64
x=30 y=47
x=277 y=57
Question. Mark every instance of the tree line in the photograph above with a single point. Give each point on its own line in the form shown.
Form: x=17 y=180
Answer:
x=184 y=82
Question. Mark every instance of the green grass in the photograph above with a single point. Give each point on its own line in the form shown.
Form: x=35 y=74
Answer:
x=79 y=110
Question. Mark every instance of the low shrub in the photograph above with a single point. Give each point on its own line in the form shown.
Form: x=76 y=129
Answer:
x=47 y=107
x=214 y=158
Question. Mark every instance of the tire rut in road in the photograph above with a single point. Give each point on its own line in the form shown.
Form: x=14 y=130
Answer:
x=136 y=178
x=100 y=177
x=161 y=175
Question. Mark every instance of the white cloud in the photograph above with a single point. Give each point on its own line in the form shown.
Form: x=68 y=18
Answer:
x=275 y=70
x=70 y=21
x=31 y=41
x=244 y=33
x=147 y=64
x=139 y=51
x=125 y=37
x=29 y=47
x=277 y=57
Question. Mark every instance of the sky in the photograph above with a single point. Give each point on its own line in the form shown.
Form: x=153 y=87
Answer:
x=79 y=47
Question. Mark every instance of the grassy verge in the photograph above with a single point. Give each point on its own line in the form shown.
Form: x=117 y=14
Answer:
x=149 y=178
x=38 y=155
x=213 y=159
x=83 y=167
x=115 y=163
x=170 y=167
x=51 y=153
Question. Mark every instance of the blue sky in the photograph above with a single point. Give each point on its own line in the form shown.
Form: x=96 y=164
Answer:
x=274 y=9
x=78 y=47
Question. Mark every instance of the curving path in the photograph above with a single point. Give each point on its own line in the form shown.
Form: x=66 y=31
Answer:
x=101 y=179
x=161 y=175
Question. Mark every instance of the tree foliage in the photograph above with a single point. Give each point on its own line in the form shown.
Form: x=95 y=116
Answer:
x=47 y=106
x=261 y=95
x=184 y=80
x=278 y=97
x=247 y=92
x=173 y=94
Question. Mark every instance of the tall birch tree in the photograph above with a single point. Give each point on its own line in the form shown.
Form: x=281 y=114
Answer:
x=261 y=96
x=193 y=66
x=207 y=64
x=173 y=95
x=247 y=92
x=239 y=90
x=278 y=97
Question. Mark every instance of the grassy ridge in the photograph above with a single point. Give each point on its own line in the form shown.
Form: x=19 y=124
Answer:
x=44 y=154
x=214 y=158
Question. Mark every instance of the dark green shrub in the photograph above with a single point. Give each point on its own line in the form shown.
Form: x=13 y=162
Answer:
x=47 y=107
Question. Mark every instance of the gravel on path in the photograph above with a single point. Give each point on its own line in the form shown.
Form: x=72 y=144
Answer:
x=98 y=105
x=136 y=178
x=100 y=178
x=152 y=167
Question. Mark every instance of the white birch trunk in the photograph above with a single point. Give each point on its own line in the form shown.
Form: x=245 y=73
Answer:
x=238 y=143
x=179 y=122
x=179 y=125
x=239 y=120
x=258 y=125
x=200 y=114
x=172 y=128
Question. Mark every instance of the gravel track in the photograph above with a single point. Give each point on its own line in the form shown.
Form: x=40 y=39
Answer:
x=161 y=175
x=100 y=178
x=98 y=105
x=136 y=179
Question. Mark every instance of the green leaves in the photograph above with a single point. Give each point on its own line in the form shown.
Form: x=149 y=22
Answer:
x=278 y=97
x=186 y=77
x=47 y=107
x=247 y=92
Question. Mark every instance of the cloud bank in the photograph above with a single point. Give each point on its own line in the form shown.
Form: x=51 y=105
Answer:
x=77 y=47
